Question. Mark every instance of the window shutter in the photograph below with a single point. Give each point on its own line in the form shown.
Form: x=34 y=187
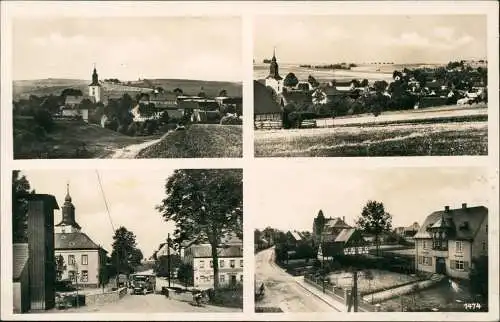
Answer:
x=466 y=266
x=453 y=264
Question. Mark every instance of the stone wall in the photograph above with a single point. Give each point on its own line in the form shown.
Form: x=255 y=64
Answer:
x=104 y=298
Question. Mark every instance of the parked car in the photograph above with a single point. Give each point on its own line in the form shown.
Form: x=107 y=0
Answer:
x=142 y=283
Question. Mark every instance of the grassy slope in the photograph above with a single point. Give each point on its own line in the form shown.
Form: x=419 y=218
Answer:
x=190 y=87
x=63 y=140
x=199 y=141
x=460 y=138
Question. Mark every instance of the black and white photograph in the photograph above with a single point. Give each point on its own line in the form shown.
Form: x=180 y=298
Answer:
x=127 y=87
x=353 y=241
x=344 y=86
x=125 y=241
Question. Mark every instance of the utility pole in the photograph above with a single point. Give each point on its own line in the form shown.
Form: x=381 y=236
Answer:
x=355 y=289
x=323 y=268
x=168 y=258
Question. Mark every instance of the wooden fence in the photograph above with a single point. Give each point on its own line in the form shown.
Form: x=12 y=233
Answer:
x=268 y=125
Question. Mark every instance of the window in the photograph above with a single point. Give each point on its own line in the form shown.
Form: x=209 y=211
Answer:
x=241 y=278
x=85 y=259
x=85 y=276
x=458 y=246
x=232 y=263
x=71 y=259
x=211 y=263
x=428 y=261
x=202 y=264
x=71 y=275
x=484 y=245
x=241 y=263
x=420 y=260
x=222 y=278
x=221 y=263
x=425 y=244
x=459 y=265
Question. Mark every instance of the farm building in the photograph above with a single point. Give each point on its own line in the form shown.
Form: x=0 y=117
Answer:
x=268 y=114
x=450 y=239
x=347 y=239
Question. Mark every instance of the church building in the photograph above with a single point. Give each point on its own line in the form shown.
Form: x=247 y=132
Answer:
x=274 y=80
x=95 y=88
x=82 y=258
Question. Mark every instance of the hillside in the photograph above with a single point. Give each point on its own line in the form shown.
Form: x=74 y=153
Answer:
x=64 y=140
x=199 y=141
x=54 y=86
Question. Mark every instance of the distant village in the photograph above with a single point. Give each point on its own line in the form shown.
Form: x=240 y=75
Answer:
x=285 y=102
x=133 y=108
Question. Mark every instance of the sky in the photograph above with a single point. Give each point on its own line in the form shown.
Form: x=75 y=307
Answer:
x=128 y=48
x=359 y=39
x=131 y=197
x=289 y=200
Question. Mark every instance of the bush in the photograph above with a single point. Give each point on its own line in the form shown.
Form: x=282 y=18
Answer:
x=231 y=120
x=44 y=119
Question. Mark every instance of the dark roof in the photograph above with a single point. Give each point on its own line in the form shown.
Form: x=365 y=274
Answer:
x=188 y=105
x=343 y=83
x=455 y=219
x=73 y=100
x=211 y=105
x=345 y=235
x=205 y=251
x=20 y=256
x=436 y=84
x=297 y=97
x=43 y=197
x=264 y=102
x=76 y=240
x=232 y=100
x=165 y=96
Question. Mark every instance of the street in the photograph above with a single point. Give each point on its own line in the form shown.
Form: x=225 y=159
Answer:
x=151 y=303
x=281 y=289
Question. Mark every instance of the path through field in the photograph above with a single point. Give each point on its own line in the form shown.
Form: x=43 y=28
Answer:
x=131 y=151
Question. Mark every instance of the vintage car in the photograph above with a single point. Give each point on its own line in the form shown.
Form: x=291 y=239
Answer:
x=142 y=283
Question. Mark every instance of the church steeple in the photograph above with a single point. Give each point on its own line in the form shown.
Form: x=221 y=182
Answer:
x=68 y=213
x=95 y=78
x=274 y=68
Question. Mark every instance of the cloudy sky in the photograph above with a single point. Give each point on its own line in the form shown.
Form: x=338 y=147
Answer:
x=131 y=198
x=397 y=38
x=289 y=199
x=207 y=48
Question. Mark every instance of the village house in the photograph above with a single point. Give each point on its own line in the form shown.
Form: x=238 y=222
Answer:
x=268 y=114
x=408 y=230
x=82 y=257
x=450 y=239
x=347 y=240
x=198 y=253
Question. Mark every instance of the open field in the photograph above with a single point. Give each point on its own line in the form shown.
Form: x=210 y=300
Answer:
x=199 y=141
x=445 y=138
x=66 y=137
x=42 y=87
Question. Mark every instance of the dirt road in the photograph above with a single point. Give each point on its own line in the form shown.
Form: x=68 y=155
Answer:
x=131 y=151
x=281 y=289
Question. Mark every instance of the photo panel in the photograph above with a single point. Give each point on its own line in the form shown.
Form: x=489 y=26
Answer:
x=370 y=85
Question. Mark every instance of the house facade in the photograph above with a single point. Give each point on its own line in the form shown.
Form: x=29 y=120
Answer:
x=449 y=240
x=268 y=114
x=82 y=258
x=349 y=240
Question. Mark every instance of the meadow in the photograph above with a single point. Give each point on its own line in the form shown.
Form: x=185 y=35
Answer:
x=407 y=139
x=199 y=141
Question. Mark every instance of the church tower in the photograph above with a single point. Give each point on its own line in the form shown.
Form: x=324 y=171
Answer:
x=95 y=87
x=274 y=79
x=68 y=223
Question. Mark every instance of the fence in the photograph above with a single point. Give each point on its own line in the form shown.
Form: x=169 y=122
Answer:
x=268 y=125
x=103 y=298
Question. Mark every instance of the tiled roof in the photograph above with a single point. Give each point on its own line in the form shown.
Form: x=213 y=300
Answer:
x=264 y=102
x=205 y=251
x=456 y=219
x=188 y=105
x=76 y=240
x=20 y=256
x=296 y=235
x=345 y=235
x=166 y=96
x=73 y=100
x=163 y=251
x=297 y=97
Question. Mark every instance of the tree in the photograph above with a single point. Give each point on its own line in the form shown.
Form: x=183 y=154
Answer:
x=290 y=80
x=311 y=80
x=479 y=277
x=71 y=92
x=375 y=220
x=397 y=74
x=125 y=256
x=60 y=267
x=223 y=93
x=380 y=86
x=364 y=83
x=103 y=276
x=205 y=203
x=43 y=118
x=20 y=190
x=178 y=91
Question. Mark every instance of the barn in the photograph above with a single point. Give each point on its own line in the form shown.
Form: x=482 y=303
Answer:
x=268 y=114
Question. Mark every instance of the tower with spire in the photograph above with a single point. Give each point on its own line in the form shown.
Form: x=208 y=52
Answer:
x=95 y=87
x=274 y=80
x=68 y=222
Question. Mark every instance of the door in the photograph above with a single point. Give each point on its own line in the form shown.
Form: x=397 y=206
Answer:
x=440 y=265
x=233 y=279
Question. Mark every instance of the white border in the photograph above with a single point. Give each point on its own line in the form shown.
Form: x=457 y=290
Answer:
x=251 y=166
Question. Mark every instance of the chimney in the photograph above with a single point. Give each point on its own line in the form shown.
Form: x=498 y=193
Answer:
x=464 y=206
x=446 y=208
x=41 y=265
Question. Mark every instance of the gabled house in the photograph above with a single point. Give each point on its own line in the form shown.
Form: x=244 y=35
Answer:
x=348 y=239
x=450 y=239
x=268 y=114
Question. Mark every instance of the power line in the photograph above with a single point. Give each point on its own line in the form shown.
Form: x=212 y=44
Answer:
x=105 y=201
